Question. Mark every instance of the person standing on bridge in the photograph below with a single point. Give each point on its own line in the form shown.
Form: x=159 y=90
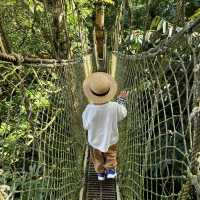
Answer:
x=100 y=118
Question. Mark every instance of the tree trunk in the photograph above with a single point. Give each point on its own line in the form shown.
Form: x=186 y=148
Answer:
x=180 y=13
x=4 y=43
x=60 y=39
x=129 y=15
x=99 y=25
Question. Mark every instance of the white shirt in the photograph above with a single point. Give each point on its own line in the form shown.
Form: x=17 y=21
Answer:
x=101 y=123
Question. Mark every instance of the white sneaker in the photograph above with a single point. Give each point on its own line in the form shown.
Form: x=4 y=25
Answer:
x=101 y=176
x=111 y=173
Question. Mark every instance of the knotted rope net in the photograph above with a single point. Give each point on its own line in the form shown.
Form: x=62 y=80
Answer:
x=41 y=137
x=159 y=141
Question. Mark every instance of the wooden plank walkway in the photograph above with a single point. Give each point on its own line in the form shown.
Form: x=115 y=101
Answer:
x=98 y=190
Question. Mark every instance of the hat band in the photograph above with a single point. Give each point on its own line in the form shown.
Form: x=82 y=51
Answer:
x=102 y=94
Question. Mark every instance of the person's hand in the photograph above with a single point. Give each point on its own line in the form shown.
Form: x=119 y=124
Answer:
x=123 y=94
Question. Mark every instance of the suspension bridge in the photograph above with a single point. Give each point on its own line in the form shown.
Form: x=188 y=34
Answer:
x=159 y=145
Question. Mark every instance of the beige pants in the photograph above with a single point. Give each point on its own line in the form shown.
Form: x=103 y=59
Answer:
x=104 y=160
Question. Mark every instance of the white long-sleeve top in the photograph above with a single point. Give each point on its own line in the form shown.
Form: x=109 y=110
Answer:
x=101 y=123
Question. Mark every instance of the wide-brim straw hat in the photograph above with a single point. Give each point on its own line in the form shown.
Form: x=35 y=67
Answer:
x=99 y=87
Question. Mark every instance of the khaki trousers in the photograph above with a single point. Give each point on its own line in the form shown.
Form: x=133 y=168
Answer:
x=104 y=160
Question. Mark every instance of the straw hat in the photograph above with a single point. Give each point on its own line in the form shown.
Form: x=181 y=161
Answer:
x=99 y=87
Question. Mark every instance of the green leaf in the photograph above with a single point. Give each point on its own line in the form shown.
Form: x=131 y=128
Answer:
x=40 y=7
x=155 y=22
x=4 y=127
x=195 y=15
x=7 y=2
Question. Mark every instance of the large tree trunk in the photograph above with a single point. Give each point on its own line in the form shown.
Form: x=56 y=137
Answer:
x=129 y=13
x=180 y=13
x=60 y=39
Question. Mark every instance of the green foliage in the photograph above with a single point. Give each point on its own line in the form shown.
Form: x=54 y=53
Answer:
x=22 y=21
x=108 y=1
x=195 y=15
x=5 y=3
x=26 y=92
x=29 y=25
x=155 y=22
x=19 y=109
x=195 y=2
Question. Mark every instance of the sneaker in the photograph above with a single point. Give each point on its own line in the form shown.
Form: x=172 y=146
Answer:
x=101 y=176
x=111 y=173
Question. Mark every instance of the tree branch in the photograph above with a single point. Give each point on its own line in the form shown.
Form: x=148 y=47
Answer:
x=3 y=38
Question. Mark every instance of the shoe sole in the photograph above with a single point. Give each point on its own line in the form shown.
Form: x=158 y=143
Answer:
x=111 y=176
x=101 y=178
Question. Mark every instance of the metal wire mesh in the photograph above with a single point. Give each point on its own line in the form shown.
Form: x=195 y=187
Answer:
x=41 y=137
x=157 y=140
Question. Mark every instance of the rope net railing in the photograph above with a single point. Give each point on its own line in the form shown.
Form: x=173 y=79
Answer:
x=157 y=146
x=41 y=136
